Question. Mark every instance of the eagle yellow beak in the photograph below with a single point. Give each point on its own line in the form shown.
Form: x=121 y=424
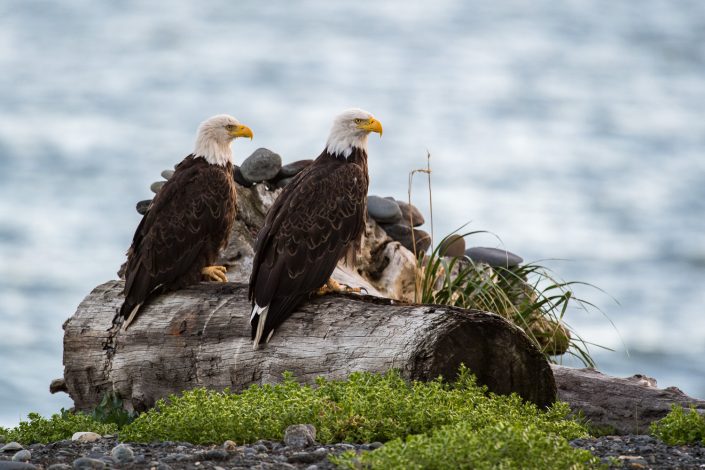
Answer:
x=241 y=131
x=373 y=125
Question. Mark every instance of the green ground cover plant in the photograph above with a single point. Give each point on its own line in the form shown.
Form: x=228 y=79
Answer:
x=502 y=445
x=364 y=408
x=680 y=427
x=63 y=425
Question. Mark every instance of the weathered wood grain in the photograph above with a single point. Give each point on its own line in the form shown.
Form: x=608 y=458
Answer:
x=618 y=405
x=201 y=337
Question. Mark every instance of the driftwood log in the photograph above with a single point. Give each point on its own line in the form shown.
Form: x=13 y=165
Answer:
x=200 y=337
x=616 y=405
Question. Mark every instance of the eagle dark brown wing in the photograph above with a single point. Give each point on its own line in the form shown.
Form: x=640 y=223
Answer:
x=307 y=231
x=187 y=223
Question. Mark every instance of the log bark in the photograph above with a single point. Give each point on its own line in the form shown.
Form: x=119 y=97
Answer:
x=200 y=337
x=616 y=405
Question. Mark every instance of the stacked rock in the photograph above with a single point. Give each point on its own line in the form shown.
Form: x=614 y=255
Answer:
x=398 y=219
x=265 y=166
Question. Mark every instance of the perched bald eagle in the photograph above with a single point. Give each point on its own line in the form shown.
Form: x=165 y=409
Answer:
x=188 y=221
x=318 y=217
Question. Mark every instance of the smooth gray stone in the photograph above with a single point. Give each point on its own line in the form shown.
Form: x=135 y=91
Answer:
x=59 y=466
x=410 y=211
x=157 y=186
x=494 y=257
x=298 y=436
x=10 y=465
x=22 y=456
x=293 y=168
x=453 y=245
x=163 y=466
x=142 y=206
x=86 y=463
x=262 y=165
x=167 y=174
x=11 y=447
x=423 y=241
x=122 y=453
x=239 y=179
x=383 y=210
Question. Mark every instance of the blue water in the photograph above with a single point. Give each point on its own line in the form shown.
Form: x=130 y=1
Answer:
x=572 y=130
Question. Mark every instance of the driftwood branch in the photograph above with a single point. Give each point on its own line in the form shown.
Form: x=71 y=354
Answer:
x=201 y=337
x=618 y=405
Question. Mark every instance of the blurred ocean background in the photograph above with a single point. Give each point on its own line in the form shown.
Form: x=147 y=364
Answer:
x=573 y=130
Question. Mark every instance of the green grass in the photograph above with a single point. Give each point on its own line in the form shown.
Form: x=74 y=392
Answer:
x=59 y=427
x=680 y=427
x=528 y=295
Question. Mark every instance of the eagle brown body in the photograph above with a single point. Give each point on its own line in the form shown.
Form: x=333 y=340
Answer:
x=182 y=232
x=318 y=217
x=187 y=223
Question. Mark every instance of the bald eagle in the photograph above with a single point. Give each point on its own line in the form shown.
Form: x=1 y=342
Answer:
x=188 y=221
x=318 y=217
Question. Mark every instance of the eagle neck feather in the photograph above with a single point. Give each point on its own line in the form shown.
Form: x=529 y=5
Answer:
x=213 y=151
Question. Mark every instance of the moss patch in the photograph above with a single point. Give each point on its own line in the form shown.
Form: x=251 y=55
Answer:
x=680 y=427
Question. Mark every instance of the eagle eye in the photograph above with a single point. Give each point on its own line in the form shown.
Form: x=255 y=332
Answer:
x=358 y=121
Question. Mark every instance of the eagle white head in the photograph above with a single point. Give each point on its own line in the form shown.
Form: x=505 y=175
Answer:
x=214 y=137
x=350 y=129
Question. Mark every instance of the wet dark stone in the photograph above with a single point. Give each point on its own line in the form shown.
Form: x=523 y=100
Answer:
x=142 y=206
x=291 y=169
x=86 y=463
x=383 y=210
x=262 y=165
x=217 y=454
x=283 y=182
x=453 y=245
x=410 y=211
x=239 y=179
x=403 y=234
x=494 y=257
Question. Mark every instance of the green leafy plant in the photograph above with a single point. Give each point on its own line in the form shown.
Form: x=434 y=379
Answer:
x=363 y=408
x=527 y=295
x=680 y=427
x=60 y=426
x=111 y=410
x=464 y=445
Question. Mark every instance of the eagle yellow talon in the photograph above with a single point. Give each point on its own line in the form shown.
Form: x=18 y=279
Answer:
x=333 y=286
x=215 y=273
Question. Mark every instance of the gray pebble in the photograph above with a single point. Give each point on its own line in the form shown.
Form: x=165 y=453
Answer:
x=167 y=174
x=122 y=453
x=22 y=456
x=410 y=212
x=157 y=186
x=86 y=463
x=262 y=165
x=452 y=245
x=163 y=466
x=10 y=465
x=11 y=447
x=59 y=466
x=298 y=436
x=493 y=257
x=375 y=445
x=142 y=206
x=383 y=210
x=293 y=168
x=312 y=467
x=178 y=457
x=249 y=451
x=345 y=446
x=261 y=448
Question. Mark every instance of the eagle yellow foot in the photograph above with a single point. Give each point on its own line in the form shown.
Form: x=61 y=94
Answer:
x=214 y=273
x=333 y=286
